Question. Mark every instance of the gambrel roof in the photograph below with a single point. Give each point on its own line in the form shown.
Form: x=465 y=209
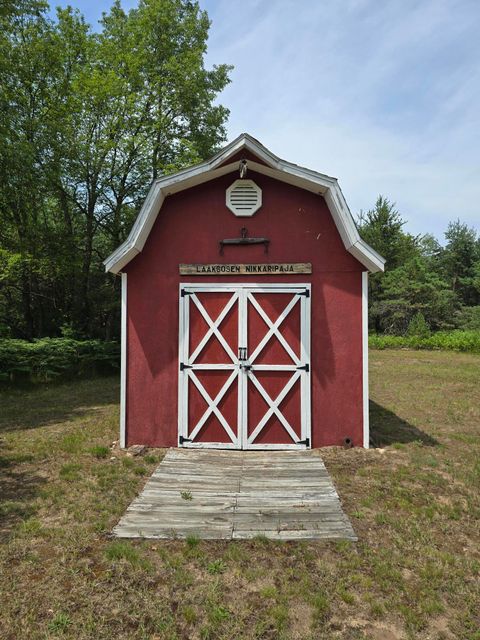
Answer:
x=270 y=165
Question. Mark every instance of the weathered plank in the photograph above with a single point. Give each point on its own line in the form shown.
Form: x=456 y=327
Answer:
x=224 y=269
x=217 y=494
x=304 y=534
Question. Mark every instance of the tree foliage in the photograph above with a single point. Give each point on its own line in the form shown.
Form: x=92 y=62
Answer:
x=89 y=118
x=87 y=121
x=382 y=228
x=56 y=359
x=426 y=286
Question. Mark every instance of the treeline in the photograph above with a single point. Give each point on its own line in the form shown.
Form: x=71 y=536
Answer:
x=89 y=118
x=87 y=121
x=426 y=286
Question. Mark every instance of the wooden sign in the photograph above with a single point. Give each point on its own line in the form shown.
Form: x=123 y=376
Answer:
x=275 y=268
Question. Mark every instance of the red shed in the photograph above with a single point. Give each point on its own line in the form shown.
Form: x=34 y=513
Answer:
x=244 y=309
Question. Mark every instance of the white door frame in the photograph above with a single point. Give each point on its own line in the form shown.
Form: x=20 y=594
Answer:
x=243 y=294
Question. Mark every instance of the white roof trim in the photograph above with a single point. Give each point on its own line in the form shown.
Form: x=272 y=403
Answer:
x=276 y=168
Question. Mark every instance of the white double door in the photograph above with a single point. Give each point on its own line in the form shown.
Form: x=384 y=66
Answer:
x=244 y=366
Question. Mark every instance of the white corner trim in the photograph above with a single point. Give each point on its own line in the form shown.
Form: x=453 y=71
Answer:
x=366 y=414
x=123 y=364
x=217 y=166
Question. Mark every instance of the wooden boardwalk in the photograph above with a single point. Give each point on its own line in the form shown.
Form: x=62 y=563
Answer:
x=215 y=494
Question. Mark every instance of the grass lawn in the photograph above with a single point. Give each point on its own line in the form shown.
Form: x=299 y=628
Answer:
x=414 y=502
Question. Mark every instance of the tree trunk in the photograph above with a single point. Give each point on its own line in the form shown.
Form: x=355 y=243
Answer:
x=27 y=305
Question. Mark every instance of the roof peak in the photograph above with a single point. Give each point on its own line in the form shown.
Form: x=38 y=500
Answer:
x=270 y=165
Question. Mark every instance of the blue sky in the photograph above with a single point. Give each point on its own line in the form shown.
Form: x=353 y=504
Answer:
x=383 y=95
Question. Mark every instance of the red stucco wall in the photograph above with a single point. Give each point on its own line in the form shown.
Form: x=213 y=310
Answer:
x=188 y=229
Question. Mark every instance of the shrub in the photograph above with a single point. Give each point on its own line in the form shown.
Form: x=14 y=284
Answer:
x=418 y=326
x=54 y=358
x=467 y=341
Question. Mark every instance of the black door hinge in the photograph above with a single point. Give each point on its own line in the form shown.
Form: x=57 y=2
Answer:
x=306 y=442
x=181 y=439
x=305 y=293
x=306 y=367
x=184 y=366
x=184 y=292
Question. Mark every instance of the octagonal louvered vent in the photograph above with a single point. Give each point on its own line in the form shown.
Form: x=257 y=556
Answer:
x=244 y=197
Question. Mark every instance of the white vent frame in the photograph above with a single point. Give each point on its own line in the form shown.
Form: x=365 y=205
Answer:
x=250 y=205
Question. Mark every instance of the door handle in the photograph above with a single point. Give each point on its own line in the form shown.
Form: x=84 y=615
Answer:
x=242 y=354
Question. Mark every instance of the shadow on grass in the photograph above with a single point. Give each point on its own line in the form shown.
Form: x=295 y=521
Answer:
x=387 y=428
x=17 y=488
x=44 y=404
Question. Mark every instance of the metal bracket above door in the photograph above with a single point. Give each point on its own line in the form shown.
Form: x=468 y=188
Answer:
x=244 y=240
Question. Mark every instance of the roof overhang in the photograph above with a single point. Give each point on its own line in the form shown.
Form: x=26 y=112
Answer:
x=218 y=166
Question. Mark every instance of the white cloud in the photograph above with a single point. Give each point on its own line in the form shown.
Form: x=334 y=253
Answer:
x=383 y=95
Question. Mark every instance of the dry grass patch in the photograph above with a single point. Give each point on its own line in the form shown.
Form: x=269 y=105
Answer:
x=414 y=502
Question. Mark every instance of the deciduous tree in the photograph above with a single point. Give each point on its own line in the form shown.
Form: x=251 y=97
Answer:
x=87 y=121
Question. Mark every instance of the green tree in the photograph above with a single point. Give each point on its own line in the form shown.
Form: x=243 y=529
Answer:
x=412 y=289
x=418 y=326
x=87 y=121
x=382 y=228
x=430 y=249
x=142 y=105
x=29 y=86
x=460 y=262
